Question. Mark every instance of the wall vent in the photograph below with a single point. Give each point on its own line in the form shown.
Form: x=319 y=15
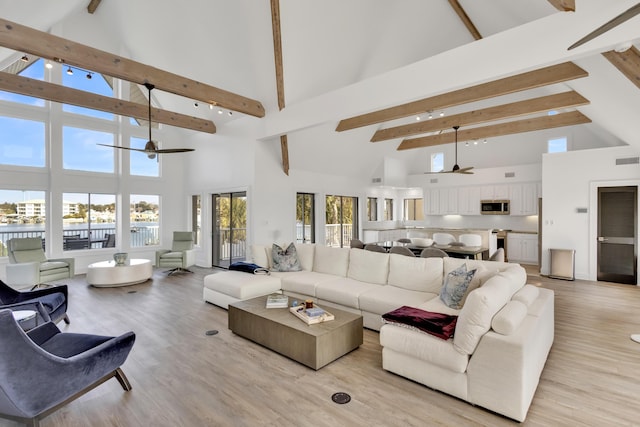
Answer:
x=433 y=180
x=509 y=174
x=376 y=180
x=581 y=210
x=628 y=161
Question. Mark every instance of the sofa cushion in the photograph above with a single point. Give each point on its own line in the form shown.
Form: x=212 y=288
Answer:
x=331 y=260
x=422 y=346
x=52 y=265
x=383 y=299
x=30 y=255
x=509 y=318
x=306 y=253
x=437 y=306
x=368 y=266
x=455 y=286
x=416 y=274
x=302 y=282
x=241 y=285
x=343 y=291
x=527 y=295
x=285 y=259
x=482 y=304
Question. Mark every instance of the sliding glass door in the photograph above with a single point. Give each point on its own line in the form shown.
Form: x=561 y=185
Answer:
x=341 y=221
x=229 y=228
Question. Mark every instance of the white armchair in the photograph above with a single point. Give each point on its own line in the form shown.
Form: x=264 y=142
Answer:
x=181 y=256
x=29 y=266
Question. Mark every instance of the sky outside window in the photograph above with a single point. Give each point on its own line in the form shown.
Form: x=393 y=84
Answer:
x=34 y=71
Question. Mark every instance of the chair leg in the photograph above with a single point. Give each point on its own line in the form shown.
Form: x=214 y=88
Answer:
x=66 y=319
x=178 y=270
x=122 y=379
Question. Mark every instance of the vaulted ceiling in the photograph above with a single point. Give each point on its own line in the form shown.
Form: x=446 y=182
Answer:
x=346 y=59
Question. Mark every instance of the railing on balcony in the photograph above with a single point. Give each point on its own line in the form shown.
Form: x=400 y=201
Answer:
x=337 y=235
x=232 y=249
x=82 y=238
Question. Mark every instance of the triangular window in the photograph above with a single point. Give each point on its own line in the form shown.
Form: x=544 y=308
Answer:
x=32 y=68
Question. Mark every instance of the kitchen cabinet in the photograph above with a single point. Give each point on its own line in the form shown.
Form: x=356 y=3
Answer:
x=448 y=201
x=494 y=192
x=469 y=200
x=522 y=248
x=372 y=236
x=524 y=198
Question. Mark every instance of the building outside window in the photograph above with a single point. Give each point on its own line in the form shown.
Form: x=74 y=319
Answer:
x=88 y=220
x=144 y=211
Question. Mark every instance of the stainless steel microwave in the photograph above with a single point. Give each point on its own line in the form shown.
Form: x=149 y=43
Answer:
x=494 y=207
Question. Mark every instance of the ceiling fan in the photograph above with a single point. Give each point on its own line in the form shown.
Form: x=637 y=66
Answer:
x=151 y=148
x=456 y=168
x=624 y=16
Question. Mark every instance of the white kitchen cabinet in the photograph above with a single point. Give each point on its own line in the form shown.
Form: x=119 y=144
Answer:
x=433 y=202
x=522 y=248
x=494 y=192
x=524 y=199
x=448 y=201
x=469 y=200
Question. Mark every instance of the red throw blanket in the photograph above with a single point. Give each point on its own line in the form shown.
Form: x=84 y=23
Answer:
x=437 y=324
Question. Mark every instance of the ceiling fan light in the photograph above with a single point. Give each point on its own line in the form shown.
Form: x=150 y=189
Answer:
x=151 y=155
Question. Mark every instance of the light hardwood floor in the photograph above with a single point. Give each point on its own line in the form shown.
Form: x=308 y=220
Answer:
x=182 y=377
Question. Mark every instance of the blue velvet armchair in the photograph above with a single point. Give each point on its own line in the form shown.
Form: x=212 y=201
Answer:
x=45 y=369
x=54 y=299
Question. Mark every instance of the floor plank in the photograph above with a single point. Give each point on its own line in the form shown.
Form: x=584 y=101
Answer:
x=182 y=377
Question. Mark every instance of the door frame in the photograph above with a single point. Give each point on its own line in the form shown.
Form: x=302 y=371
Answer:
x=593 y=222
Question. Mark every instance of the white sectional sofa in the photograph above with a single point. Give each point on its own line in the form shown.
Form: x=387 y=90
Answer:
x=503 y=334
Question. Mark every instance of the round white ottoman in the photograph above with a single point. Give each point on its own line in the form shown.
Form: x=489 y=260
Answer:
x=110 y=274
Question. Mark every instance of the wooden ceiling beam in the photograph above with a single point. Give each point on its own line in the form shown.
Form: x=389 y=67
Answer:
x=564 y=5
x=277 y=53
x=627 y=62
x=93 y=5
x=24 y=39
x=509 y=128
x=462 y=14
x=52 y=92
x=500 y=112
x=529 y=80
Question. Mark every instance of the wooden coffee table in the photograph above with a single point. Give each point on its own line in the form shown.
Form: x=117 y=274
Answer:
x=281 y=331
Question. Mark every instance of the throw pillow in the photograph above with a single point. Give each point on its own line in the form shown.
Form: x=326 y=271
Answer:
x=285 y=259
x=455 y=286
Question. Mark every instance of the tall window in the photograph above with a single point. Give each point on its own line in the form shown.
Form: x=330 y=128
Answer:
x=22 y=214
x=35 y=71
x=196 y=218
x=97 y=84
x=140 y=163
x=87 y=220
x=305 y=218
x=22 y=142
x=388 y=209
x=81 y=152
x=557 y=145
x=372 y=209
x=144 y=211
x=437 y=162
x=413 y=209
x=341 y=220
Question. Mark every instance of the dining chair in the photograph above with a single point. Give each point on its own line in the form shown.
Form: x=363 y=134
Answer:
x=401 y=250
x=433 y=253
x=470 y=239
x=443 y=238
x=498 y=255
x=356 y=243
x=374 y=248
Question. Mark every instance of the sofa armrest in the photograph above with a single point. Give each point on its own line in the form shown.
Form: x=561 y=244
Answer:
x=23 y=274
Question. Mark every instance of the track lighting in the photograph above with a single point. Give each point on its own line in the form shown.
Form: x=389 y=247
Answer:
x=195 y=105
x=48 y=65
x=230 y=113
x=69 y=71
x=24 y=58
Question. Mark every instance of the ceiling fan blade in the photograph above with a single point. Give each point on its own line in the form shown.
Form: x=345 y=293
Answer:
x=123 y=148
x=465 y=170
x=173 y=150
x=624 y=16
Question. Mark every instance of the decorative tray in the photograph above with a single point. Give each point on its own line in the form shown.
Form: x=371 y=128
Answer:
x=299 y=312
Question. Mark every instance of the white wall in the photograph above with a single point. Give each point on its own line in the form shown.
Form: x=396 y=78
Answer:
x=570 y=181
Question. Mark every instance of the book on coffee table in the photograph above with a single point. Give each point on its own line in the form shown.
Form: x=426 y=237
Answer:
x=301 y=313
x=277 y=301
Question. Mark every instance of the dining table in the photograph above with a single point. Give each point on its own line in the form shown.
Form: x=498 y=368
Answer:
x=470 y=252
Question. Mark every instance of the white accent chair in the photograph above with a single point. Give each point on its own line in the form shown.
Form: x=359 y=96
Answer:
x=470 y=239
x=181 y=256
x=28 y=265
